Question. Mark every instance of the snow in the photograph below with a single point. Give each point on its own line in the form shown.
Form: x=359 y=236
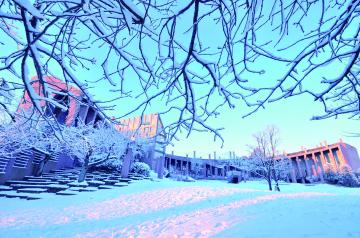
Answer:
x=179 y=209
x=30 y=8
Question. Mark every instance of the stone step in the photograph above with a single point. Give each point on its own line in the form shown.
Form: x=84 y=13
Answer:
x=75 y=189
x=5 y=188
x=35 y=178
x=31 y=190
x=105 y=187
x=110 y=182
x=125 y=180
x=95 y=183
x=38 y=180
x=54 y=188
x=77 y=184
x=13 y=182
x=19 y=186
x=13 y=194
x=88 y=189
x=121 y=184
x=64 y=181
x=135 y=178
x=67 y=193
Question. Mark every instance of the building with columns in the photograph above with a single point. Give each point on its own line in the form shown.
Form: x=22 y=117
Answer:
x=314 y=162
x=210 y=168
x=307 y=165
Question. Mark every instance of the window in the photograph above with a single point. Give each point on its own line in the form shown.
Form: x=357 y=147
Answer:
x=59 y=113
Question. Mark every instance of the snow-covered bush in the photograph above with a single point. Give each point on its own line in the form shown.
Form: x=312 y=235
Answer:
x=331 y=177
x=357 y=174
x=312 y=179
x=141 y=168
x=27 y=134
x=347 y=177
x=182 y=178
x=110 y=165
x=331 y=174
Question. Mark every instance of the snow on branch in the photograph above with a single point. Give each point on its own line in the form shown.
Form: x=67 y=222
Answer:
x=191 y=57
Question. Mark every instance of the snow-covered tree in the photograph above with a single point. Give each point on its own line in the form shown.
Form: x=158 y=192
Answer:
x=347 y=177
x=265 y=160
x=6 y=100
x=161 y=51
x=25 y=134
x=331 y=173
x=94 y=145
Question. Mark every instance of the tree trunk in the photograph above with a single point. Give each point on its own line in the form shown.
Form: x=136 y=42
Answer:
x=42 y=164
x=276 y=179
x=269 y=183
x=269 y=180
x=85 y=166
x=125 y=169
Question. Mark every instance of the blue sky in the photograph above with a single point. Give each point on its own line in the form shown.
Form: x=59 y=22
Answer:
x=291 y=116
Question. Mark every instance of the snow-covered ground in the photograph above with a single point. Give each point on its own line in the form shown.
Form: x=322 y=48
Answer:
x=178 y=209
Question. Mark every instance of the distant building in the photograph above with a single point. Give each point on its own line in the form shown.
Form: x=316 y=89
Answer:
x=304 y=164
x=67 y=95
x=315 y=161
x=210 y=168
x=147 y=126
x=79 y=109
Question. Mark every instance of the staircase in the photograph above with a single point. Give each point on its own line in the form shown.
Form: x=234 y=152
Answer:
x=64 y=182
x=22 y=159
x=38 y=156
x=3 y=163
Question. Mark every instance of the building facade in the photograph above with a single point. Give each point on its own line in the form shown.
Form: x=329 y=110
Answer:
x=313 y=163
x=151 y=128
x=200 y=168
x=305 y=165
x=78 y=109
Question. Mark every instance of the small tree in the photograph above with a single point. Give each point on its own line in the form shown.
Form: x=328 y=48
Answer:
x=331 y=174
x=264 y=160
x=347 y=177
x=47 y=142
x=93 y=146
x=25 y=135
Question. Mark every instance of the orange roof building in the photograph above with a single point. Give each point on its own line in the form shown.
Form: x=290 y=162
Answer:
x=65 y=94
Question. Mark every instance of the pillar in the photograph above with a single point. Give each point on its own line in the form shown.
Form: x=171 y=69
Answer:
x=160 y=166
x=318 y=165
x=126 y=164
x=309 y=171
x=332 y=159
x=299 y=169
